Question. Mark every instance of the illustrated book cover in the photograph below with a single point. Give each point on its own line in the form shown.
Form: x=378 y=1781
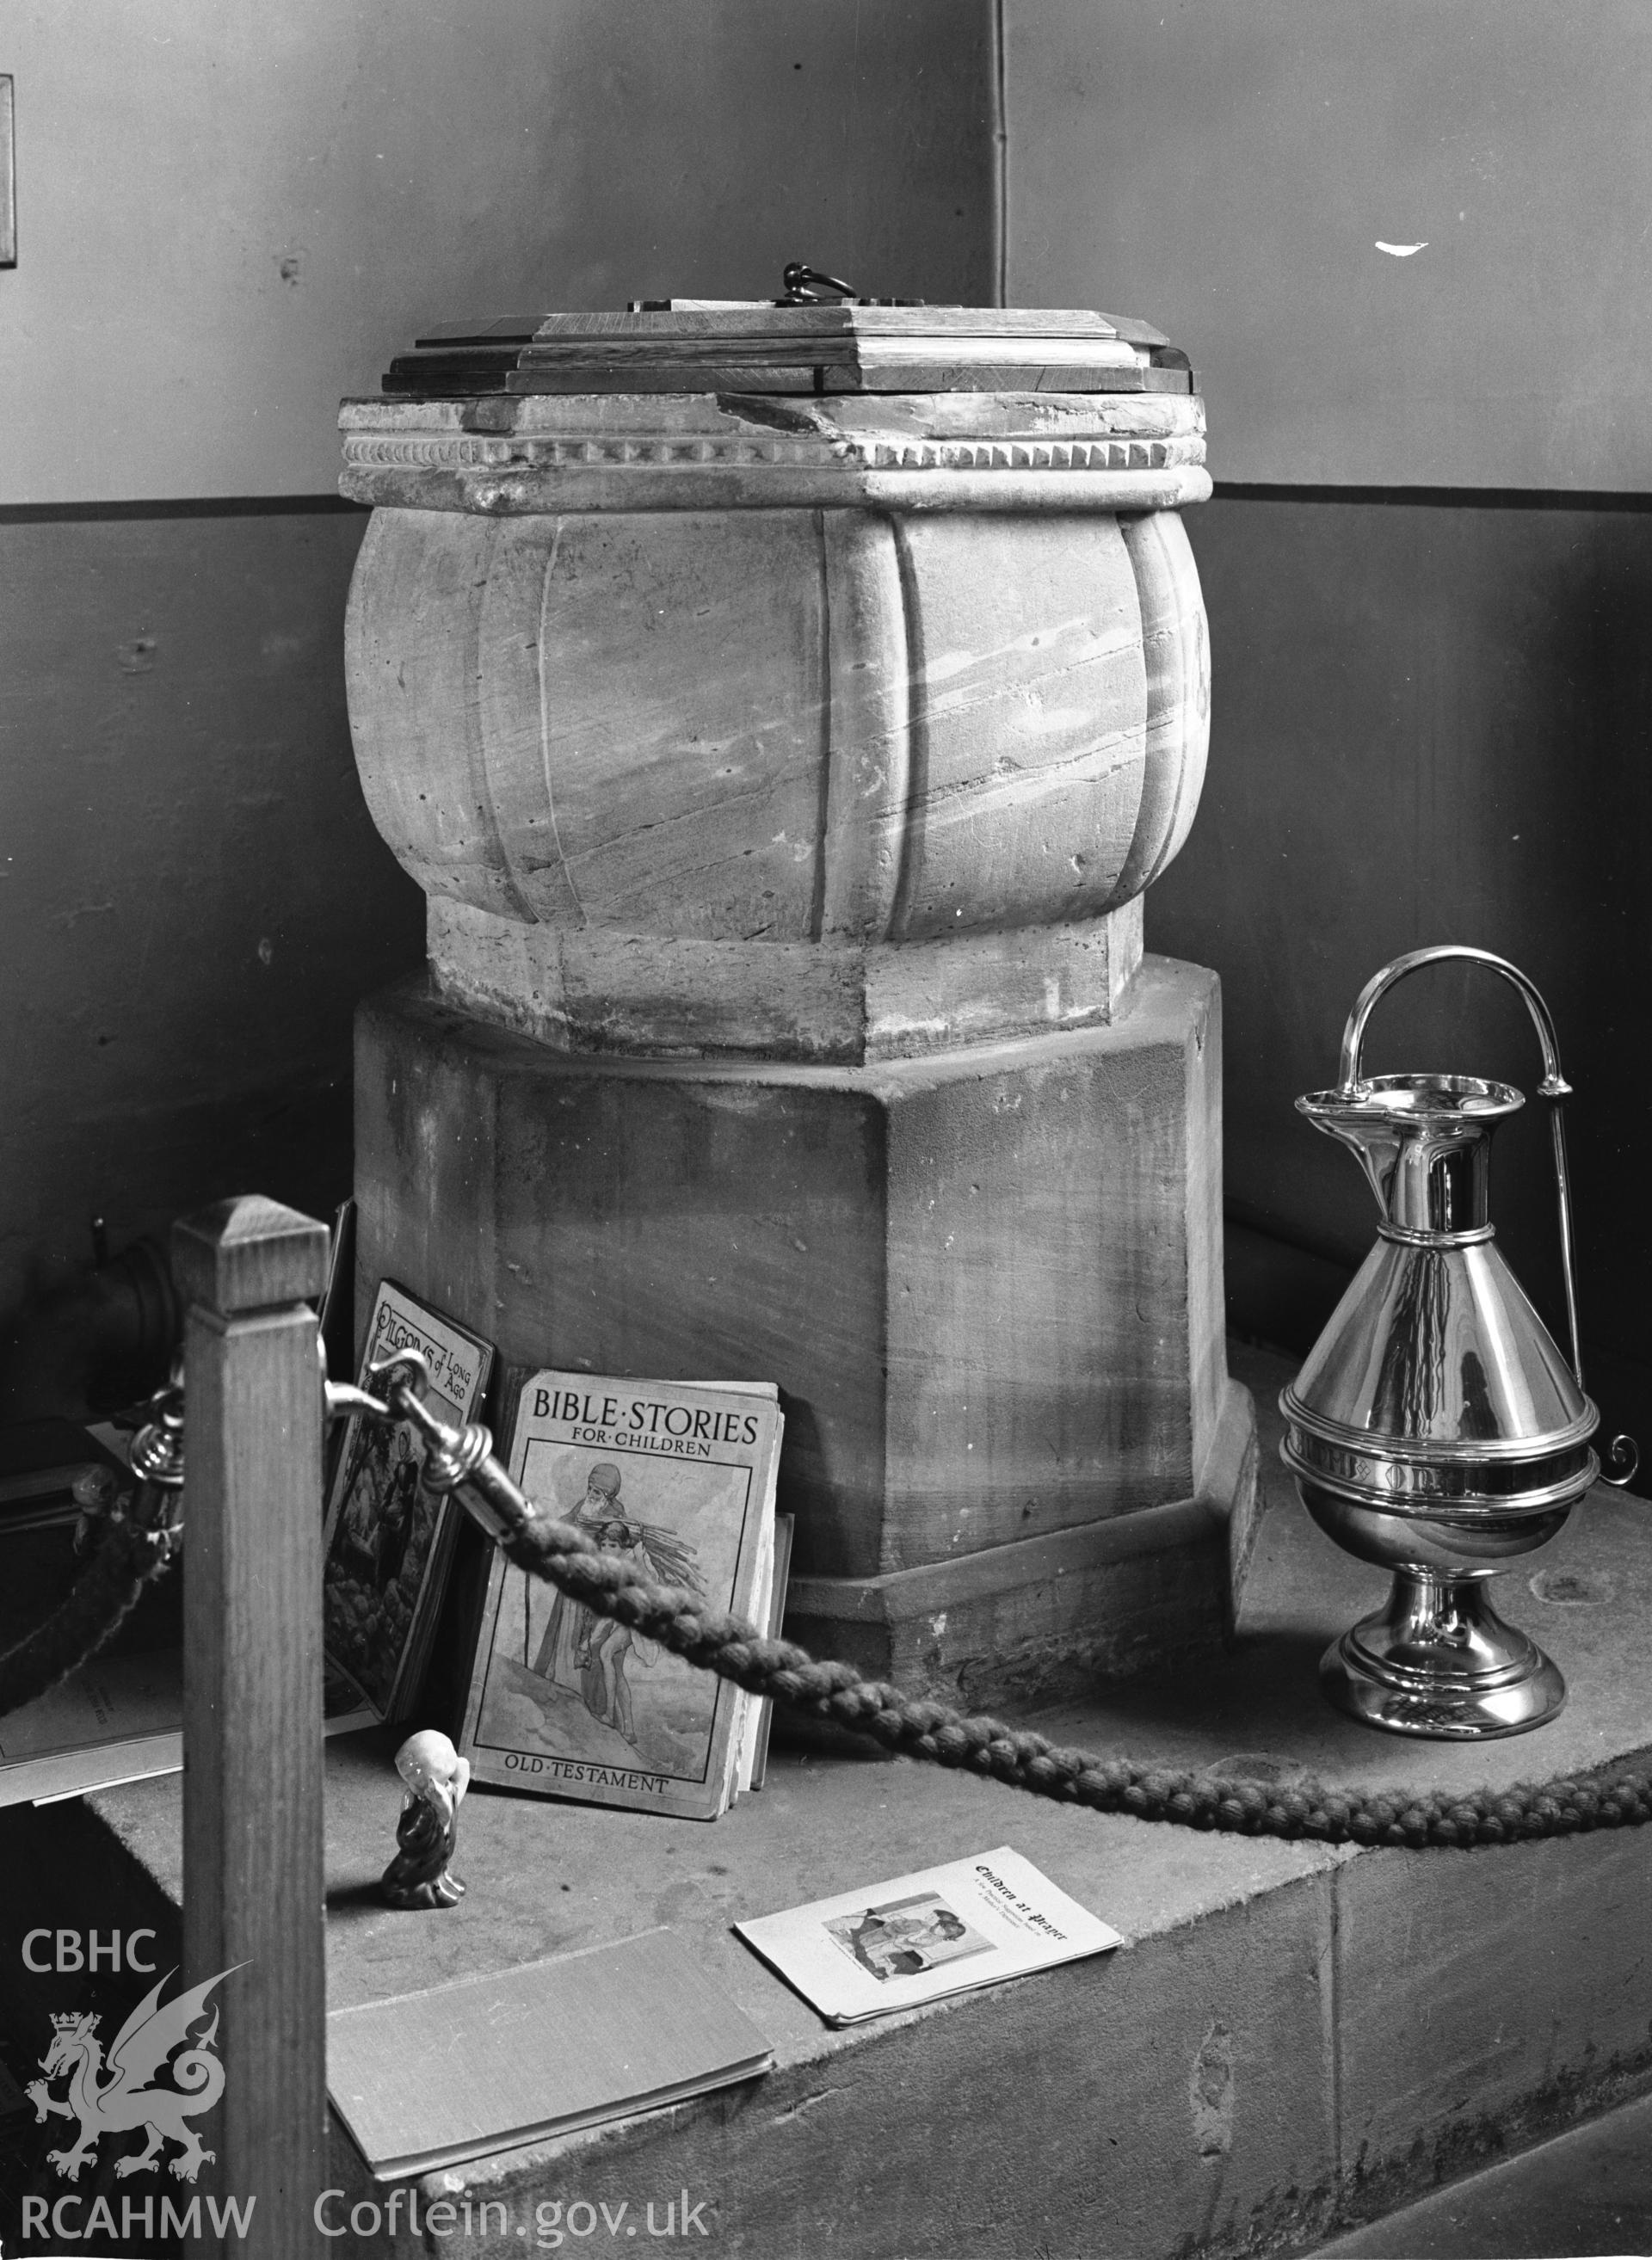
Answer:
x=389 y=1537
x=679 y=1478
x=428 y=2079
x=944 y=1930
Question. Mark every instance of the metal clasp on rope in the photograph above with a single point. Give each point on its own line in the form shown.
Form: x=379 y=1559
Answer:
x=154 y=1511
x=458 y=1460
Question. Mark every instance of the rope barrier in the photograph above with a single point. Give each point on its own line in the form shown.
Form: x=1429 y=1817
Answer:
x=142 y=1534
x=914 y=1727
x=133 y=1551
x=93 y=1610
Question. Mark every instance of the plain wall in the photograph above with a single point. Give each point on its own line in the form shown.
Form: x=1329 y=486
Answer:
x=192 y=899
x=232 y=213
x=194 y=895
x=1432 y=703
x=1227 y=167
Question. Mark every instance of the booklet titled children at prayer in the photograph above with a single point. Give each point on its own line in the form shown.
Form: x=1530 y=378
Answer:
x=676 y=1479
x=944 y=1930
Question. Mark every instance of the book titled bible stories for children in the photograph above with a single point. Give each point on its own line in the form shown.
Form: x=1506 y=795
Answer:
x=679 y=1479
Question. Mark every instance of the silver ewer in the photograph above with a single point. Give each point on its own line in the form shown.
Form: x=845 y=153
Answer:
x=1436 y=1429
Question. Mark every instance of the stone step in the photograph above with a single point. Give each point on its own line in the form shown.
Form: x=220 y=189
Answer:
x=1587 y=2193
x=1294 y=2039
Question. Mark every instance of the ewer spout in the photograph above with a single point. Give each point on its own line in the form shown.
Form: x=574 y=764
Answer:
x=1424 y=1143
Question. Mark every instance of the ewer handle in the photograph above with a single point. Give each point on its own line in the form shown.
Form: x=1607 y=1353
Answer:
x=1621 y=1457
x=1553 y=1084
x=1553 y=1087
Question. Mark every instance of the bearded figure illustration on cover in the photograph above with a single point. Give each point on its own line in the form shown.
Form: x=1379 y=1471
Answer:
x=585 y=1653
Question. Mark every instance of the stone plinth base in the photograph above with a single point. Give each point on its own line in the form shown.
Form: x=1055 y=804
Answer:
x=584 y=989
x=987 y=1281
x=1015 y=1624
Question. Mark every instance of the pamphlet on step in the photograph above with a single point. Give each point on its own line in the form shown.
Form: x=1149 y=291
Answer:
x=918 y=1938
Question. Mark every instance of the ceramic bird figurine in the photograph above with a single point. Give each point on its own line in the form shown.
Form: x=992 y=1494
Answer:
x=437 y=1778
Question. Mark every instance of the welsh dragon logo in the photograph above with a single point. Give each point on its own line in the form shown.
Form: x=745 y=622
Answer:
x=125 y=2099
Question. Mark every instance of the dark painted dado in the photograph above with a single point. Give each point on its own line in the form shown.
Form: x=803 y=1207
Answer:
x=1432 y=722
x=193 y=896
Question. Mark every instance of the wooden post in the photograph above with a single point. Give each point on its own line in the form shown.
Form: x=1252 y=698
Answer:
x=253 y=1878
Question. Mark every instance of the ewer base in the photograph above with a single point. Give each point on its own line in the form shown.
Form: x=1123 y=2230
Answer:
x=1438 y=1660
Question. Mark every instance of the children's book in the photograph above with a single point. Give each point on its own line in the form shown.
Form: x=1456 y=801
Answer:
x=429 y=2079
x=944 y=1930
x=389 y=1536
x=677 y=1478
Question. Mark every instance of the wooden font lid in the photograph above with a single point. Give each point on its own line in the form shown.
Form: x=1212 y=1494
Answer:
x=844 y=345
